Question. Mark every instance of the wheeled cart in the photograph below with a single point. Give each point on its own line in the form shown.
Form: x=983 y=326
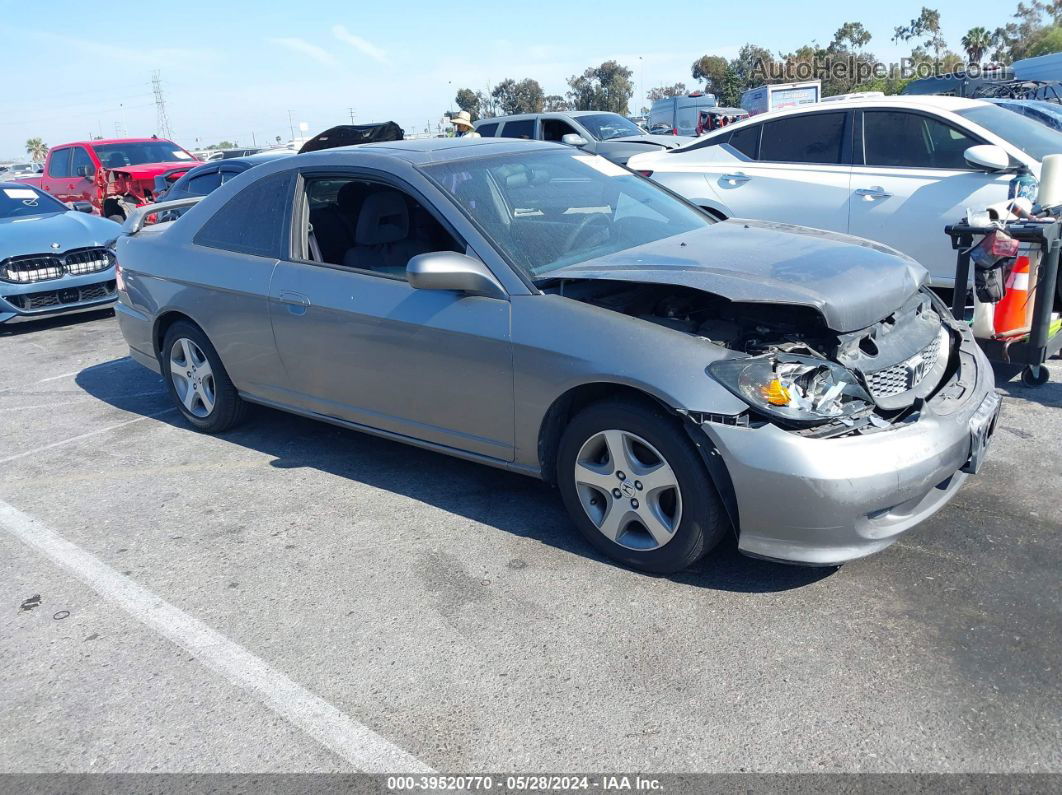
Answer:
x=1039 y=345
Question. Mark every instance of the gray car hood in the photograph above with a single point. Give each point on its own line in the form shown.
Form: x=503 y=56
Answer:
x=852 y=282
x=36 y=234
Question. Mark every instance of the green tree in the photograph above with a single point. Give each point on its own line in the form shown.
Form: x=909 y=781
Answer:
x=663 y=92
x=605 y=87
x=926 y=29
x=710 y=69
x=37 y=149
x=554 y=103
x=976 y=43
x=468 y=100
x=850 y=36
x=523 y=96
x=1049 y=40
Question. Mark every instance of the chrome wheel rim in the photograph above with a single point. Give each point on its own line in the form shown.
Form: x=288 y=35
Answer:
x=192 y=377
x=628 y=490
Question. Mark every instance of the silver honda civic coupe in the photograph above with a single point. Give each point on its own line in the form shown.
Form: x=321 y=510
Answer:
x=546 y=311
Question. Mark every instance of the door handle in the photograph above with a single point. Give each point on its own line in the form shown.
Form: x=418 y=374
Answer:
x=297 y=302
x=737 y=178
x=290 y=297
x=875 y=192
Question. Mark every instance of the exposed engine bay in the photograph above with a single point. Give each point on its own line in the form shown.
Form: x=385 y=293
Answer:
x=898 y=362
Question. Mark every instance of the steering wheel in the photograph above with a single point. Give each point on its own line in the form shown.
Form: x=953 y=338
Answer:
x=583 y=226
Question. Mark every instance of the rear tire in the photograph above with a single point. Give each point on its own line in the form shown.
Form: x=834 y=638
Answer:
x=197 y=380
x=637 y=489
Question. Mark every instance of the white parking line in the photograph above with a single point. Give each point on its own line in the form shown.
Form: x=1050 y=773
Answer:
x=78 y=438
x=365 y=750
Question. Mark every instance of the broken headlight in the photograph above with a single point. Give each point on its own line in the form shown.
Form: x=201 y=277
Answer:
x=801 y=390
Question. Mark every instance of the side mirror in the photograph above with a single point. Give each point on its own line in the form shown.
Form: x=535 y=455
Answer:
x=85 y=171
x=82 y=206
x=988 y=157
x=573 y=139
x=448 y=270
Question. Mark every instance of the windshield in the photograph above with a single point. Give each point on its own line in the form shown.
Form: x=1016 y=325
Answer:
x=604 y=126
x=19 y=202
x=1030 y=136
x=138 y=153
x=547 y=210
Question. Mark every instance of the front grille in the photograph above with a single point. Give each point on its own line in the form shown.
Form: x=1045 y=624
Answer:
x=34 y=268
x=42 y=267
x=46 y=299
x=906 y=375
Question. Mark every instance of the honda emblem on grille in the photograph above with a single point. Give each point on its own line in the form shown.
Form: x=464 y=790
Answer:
x=916 y=369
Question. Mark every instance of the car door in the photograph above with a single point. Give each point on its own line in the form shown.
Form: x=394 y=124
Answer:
x=798 y=172
x=57 y=174
x=912 y=180
x=359 y=343
x=82 y=184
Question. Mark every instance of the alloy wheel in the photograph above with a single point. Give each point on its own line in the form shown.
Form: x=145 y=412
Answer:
x=192 y=377
x=628 y=490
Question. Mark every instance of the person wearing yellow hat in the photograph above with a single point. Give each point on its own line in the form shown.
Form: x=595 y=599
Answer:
x=462 y=123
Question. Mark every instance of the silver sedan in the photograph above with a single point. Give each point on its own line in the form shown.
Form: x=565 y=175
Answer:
x=546 y=311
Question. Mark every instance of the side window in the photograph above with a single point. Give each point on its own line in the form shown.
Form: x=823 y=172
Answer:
x=910 y=140
x=555 y=129
x=368 y=226
x=488 y=130
x=522 y=128
x=59 y=163
x=805 y=138
x=252 y=221
x=82 y=165
x=228 y=173
x=747 y=140
x=202 y=184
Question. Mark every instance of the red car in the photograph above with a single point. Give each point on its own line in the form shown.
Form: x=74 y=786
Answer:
x=114 y=176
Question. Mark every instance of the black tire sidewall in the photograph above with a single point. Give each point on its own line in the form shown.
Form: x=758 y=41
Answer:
x=703 y=522
x=227 y=403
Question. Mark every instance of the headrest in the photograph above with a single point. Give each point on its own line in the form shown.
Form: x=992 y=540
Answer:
x=383 y=219
x=349 y=195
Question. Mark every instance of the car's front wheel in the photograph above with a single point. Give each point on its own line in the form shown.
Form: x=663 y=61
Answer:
x=637 y=489
x=197 y=380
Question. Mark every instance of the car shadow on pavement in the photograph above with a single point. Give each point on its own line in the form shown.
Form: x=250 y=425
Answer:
x=507 y=501
x=30 y=326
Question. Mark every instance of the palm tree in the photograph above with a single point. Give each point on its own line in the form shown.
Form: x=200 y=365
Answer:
x=976 y=43
x=37 y=149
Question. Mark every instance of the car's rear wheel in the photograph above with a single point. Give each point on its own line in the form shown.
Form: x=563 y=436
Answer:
x=197 y=380
x=637 y=489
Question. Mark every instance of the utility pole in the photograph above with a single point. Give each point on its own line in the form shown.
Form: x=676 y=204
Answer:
x=291 y=126
x=162 y=122
x=351 y=115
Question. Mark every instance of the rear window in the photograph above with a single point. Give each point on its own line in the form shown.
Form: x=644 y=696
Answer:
x=524 y=128
x=252 y=221
x=487 y=130
x=806 y=138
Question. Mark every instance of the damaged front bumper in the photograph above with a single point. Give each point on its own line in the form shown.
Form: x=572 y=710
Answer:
x=827 y=501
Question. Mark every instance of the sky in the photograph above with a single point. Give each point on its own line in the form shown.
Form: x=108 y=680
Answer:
x=248 y=72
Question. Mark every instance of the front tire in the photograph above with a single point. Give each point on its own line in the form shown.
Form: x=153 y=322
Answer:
x=637 y=489
x=197 y=380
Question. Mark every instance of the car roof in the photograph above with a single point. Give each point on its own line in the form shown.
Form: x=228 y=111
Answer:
x=433 y=150
x=105 y=141
x=547 y=113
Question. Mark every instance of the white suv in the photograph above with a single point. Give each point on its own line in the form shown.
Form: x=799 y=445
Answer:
x=891 y=169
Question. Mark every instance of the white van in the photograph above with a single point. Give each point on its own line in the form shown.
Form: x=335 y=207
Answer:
x=679 y=113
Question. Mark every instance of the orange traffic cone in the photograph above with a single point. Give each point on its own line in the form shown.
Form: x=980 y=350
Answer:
x=1010 y=311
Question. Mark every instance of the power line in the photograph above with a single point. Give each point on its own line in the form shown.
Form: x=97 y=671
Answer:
x=162 y=123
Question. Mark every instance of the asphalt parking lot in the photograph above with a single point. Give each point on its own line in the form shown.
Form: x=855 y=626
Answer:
x=294 y=597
